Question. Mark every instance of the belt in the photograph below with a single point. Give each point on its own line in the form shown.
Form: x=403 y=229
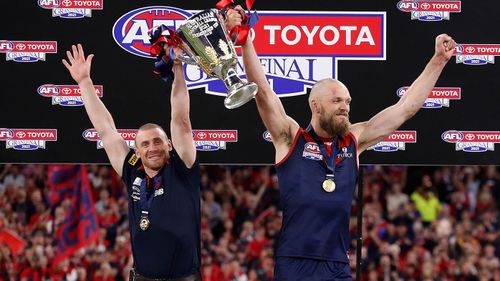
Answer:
x=134 y=276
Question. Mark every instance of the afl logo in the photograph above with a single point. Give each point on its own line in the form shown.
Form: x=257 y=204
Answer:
x=267 y=136
x=452 y=136
x=130 y=31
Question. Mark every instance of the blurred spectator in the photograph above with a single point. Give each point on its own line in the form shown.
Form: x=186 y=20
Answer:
x=448 y=231
x=426 y=202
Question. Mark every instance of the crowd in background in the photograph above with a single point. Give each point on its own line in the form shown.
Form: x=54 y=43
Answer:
x=419 y=223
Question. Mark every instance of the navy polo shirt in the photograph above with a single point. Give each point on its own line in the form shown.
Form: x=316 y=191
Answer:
x=170 y=247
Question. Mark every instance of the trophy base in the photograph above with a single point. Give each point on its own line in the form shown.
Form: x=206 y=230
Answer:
x=240 y=94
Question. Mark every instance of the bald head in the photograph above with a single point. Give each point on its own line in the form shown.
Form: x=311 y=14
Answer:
x=323 y=87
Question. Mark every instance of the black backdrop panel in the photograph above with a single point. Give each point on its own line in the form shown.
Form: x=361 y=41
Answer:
x=41 y=120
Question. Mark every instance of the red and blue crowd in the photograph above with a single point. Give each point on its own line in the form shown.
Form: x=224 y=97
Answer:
x=419 y=223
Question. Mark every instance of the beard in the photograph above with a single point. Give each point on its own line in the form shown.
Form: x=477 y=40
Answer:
x=329 y=125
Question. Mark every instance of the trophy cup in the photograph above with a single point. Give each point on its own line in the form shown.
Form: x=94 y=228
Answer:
x=206 y=44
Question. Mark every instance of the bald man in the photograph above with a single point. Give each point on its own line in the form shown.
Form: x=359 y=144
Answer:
x=317 y=166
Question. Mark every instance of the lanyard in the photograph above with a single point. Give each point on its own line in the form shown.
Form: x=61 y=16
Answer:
x=329 y=161
x=146 y=199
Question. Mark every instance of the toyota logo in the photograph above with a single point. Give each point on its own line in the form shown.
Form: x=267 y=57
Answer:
x=469 y=137
x=66 y=3
x=21 y=47
x=425 y=6
x=202 y=135
x=21 y=135
x=66 y=91
x=470 y=49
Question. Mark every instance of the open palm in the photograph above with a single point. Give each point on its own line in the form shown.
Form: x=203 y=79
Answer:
x=78 y=65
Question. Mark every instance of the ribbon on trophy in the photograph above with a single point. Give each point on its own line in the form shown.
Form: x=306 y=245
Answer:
x=239 y=34
x=159 y=36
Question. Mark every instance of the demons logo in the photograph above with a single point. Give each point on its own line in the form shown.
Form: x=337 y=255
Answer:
x=131 y=30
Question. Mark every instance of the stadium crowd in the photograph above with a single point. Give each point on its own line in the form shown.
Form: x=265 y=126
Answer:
x=419 y=223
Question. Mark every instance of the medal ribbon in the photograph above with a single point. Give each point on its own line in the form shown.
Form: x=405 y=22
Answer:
x=145 y=200
x=311 y=136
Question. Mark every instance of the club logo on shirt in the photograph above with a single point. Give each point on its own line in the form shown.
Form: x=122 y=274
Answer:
x=429 y=10
x=312 y=151
x=136 y=190
x=344 y=153
x=472 y=141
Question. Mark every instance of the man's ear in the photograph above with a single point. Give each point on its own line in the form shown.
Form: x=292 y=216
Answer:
x=137 y=153
x=315 y=106
x=169 y=145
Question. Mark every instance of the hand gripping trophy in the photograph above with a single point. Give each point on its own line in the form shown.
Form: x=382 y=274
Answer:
x=205 y=42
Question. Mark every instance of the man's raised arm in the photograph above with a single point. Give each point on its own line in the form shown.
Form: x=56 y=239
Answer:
x=182 y=134
x=79 y=68
x=388 y=120
x=279 y=124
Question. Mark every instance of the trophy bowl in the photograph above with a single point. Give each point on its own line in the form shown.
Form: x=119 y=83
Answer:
x=206 y=43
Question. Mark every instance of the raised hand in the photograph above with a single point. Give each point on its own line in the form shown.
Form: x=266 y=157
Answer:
x=234 y=17
x=445 y=46
x=78 y=65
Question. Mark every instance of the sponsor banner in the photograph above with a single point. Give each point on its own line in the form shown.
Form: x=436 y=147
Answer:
x=429 y=10
x=128 y=136
x=27 y=139
x=27 y=51
x=65 y=95
x=472 y=141
x=395 y=141
x=296 y=49
x=439 y=96
x=477 y=54
x=211 y=140
x=71 y=9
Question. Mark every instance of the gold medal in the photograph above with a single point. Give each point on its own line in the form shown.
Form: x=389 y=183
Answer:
x=329 y=185
x=144 y=223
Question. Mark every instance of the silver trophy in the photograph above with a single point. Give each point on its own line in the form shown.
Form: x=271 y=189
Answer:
x=206 y=44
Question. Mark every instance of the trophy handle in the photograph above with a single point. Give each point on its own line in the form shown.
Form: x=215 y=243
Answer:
x=187 y=59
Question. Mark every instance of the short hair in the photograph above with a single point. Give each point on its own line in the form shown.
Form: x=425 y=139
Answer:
x=151 y=126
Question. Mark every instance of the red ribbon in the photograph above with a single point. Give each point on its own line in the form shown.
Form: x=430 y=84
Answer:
x=172 y=40
x=242 y=30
